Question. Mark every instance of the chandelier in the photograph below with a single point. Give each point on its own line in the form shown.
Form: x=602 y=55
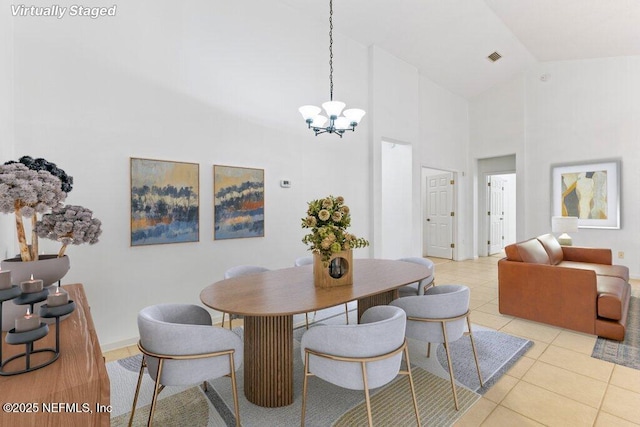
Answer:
x=337 y=123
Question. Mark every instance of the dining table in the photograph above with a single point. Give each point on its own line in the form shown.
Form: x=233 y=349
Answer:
x=269 y=300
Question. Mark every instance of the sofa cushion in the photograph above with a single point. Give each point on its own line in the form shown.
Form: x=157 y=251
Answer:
x=612 y=291
x=619 y=271
x=512 y=252
x=553 y=248
x=533 y=252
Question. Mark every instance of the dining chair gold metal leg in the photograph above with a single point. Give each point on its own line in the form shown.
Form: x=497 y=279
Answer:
x=475 y=352
x=234 y=388
x=346 y=312
x=446 y=348
x=366 y=392
x=304 y=387
x=156 y=390
x=143 y=365
x=411 y=385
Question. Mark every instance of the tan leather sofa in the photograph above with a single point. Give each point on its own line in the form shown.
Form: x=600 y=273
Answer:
x=572 y=287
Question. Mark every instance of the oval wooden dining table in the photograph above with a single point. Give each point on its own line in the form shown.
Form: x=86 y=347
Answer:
x=268 y=302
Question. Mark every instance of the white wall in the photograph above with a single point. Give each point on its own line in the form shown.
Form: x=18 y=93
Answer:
x=394 y=117
x=212 y=83
x=585 y=110
x=7 y=231
x=444 y=145
x=220 y=86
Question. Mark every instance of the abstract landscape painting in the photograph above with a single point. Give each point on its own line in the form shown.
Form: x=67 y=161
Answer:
x=164 y=202
x=590 y=192
x=238 y=202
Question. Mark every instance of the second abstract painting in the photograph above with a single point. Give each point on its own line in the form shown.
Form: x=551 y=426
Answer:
x=238 y=202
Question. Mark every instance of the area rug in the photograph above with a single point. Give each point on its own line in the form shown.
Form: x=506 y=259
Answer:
x=327 y=404
x=497 y=353
x=394 y=406
x=627 y=352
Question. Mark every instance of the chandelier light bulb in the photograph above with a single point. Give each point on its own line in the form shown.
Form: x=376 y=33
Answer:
x=318 y=121
x=354 y=115
x=333 y=108
x=309 y=112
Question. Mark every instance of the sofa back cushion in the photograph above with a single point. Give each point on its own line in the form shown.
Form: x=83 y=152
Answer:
x=530 y=251
x=553 y=248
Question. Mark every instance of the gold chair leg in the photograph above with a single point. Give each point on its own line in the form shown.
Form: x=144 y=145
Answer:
x=304 y=387
x=346 y=312
x=135 y=397
x=453 y=381
x=428 y=349
x=475 y=352
x=156 y=390
x=366 y=392
x=413 y=390
x=234 y=388
x=306 y=320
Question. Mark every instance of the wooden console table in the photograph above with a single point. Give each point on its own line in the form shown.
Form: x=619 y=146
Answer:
x=268 y=302
x=73 y=390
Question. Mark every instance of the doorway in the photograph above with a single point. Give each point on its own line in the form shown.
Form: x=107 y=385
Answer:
x=437 y=213
x=396 y=199
x=501 y=215
x=492 y=236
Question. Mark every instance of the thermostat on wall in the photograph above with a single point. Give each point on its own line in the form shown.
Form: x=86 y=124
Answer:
x=285 y=183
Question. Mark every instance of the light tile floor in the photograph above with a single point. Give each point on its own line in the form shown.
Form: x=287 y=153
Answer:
x=556 y=383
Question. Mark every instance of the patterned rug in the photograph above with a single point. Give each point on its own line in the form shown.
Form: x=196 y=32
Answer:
x=394 y=407
x=627 y=352
x=497 y=353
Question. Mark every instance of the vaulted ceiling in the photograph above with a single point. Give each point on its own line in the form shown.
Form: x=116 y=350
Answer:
x=449 y=40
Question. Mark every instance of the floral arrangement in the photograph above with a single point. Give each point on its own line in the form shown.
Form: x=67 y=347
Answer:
x=30 y=187
x=328 y=220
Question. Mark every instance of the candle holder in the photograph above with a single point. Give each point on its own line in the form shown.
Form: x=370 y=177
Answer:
x=28 y=338
x=31 y=298
x=57 y=311
x=6 y=295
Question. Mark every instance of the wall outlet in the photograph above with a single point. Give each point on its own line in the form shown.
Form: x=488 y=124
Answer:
x=621 y=254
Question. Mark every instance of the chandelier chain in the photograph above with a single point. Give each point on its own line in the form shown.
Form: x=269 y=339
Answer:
x=331 y=49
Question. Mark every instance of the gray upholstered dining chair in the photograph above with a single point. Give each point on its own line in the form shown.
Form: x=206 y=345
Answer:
x=358 y=357
x=308 y=260
x=439 y=316
x=237 y=271
x=181 y=347
x=418 y=288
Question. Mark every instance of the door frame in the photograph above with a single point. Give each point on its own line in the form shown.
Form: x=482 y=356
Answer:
x=484 y=204
x=424 y=172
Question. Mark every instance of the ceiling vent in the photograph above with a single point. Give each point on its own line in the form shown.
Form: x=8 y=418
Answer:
x=494 y=57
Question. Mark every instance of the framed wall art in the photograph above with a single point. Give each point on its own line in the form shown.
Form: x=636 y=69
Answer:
x=238 y=201
x=589 y=191
x=164 y=202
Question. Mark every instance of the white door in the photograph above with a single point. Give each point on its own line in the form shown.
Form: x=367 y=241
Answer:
x=496 y=214
x=439 y=216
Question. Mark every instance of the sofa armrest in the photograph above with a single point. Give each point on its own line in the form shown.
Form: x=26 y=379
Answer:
x=550 y=294
x=591 y=255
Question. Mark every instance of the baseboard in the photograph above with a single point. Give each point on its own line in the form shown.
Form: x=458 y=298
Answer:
x=119 y=344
